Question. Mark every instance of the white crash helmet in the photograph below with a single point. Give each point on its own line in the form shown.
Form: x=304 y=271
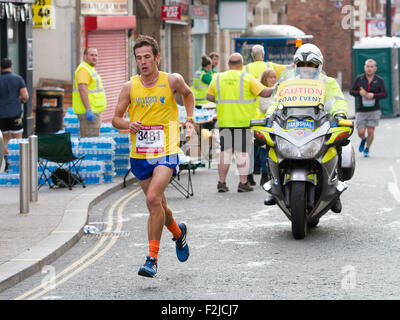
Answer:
x=309 y=53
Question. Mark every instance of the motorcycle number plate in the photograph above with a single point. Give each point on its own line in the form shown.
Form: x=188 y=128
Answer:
x=300 y=124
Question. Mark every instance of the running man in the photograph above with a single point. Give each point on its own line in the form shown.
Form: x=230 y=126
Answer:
x=153 y=124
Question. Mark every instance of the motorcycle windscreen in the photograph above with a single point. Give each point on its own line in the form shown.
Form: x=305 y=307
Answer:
x=301 y=93
x=301 y=87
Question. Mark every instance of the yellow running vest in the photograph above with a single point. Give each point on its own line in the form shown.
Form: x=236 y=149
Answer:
x=157 y=109
x=96 y=93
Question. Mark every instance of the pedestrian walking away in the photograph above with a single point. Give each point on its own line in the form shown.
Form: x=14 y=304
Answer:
x=256 y=69
x=369 y=88
x=268 y=78
x=13 y=93
x=235 y=94
x=88 y=95
x=258 y=65
x=153 y=124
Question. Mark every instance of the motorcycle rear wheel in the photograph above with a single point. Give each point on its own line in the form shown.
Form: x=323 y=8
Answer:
x=298 y=206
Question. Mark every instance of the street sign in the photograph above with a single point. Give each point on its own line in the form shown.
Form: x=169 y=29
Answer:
x=375 y=27
x=42 y=14
x=104 y=8
x=233 y=15
x=199 y=12
x=171 y=12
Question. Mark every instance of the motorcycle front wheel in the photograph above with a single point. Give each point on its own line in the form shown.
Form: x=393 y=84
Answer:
x=298 y=204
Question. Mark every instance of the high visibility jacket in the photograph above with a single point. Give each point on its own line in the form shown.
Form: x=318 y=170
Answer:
x=256 y=68
x=334 y=101
x=96 y=93
x=236 y=104
x=199 y=88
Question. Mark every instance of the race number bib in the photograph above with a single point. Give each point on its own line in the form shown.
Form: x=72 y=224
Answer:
x=368 y=102
x=150 y=139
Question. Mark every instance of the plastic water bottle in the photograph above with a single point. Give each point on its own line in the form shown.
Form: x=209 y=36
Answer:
x=91 y=229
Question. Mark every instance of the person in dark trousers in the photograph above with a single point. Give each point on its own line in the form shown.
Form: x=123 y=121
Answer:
x=13 y=93
x=370 y=88
x=235 y=94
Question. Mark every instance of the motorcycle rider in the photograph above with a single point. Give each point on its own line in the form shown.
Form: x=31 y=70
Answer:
x=308 y=61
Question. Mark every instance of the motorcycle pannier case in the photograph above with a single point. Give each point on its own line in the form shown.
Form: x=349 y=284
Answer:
x=348 y=161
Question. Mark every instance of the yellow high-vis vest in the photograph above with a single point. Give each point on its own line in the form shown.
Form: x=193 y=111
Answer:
x=96 y=93
x=256 y=68
x=236 y=104
x=199 y=88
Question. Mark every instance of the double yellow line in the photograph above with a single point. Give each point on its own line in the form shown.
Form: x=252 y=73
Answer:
x=90 y=257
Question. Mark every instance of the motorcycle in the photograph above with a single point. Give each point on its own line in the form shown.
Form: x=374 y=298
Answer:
x=309 y=155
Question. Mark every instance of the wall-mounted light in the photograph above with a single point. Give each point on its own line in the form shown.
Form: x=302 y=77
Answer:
x=338 y=3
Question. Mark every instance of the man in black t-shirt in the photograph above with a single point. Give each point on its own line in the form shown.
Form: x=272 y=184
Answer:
x=370 y=89
x=13 y=92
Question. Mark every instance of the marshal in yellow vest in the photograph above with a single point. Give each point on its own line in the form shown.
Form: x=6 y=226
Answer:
x=236 y=104
x=96 y=93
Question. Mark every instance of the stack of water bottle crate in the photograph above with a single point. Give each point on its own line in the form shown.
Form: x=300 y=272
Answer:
x=199 y=115
x=97 y=166
x=11 y=178
x=106 y=156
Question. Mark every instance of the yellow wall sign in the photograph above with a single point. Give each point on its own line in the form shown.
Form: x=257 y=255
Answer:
x=301 y=93
x=42 y=14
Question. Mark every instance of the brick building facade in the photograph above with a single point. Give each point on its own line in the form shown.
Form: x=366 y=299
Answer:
x=335 y=30
x=178 y=42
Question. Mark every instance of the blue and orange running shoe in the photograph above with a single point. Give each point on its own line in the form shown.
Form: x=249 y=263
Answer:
x=366 y=152
x=149 y=269
x=182 y=249
x=362 y=145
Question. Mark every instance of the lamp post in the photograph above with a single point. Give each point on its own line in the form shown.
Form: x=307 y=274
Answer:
x=388 y=18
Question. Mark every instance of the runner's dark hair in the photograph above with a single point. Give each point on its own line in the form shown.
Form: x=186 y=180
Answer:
x=143 y=40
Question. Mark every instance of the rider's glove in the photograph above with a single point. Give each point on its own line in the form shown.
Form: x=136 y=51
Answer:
x=90 y=115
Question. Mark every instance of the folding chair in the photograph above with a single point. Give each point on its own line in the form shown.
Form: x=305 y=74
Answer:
x=57 y=148
x=174 y=181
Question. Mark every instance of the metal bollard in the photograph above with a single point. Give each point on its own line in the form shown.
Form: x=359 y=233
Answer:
x=24 y=177
x=1 y=149
x=33 y=157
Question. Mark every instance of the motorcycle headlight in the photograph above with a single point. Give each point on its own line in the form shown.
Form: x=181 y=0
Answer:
x=307 y=151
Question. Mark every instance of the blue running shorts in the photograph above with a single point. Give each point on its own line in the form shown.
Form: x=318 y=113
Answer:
x=143 y=168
